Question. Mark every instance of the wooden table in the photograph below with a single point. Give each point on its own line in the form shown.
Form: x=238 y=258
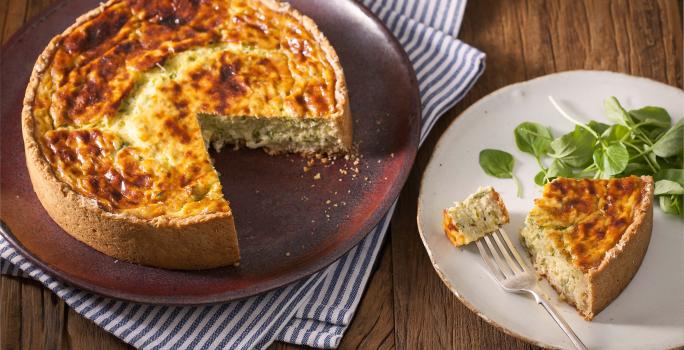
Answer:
x=405 y=304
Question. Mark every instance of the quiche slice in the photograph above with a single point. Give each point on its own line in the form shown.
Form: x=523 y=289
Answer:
x=122 y=106
x=588 y=237
x=482 y=213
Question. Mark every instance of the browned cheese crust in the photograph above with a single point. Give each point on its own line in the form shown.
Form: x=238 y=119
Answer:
x=112 y=207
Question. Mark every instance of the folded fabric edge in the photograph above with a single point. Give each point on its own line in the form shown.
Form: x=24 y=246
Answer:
x=330 y=338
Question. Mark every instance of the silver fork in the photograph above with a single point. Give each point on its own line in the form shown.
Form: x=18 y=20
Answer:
x=516 y=277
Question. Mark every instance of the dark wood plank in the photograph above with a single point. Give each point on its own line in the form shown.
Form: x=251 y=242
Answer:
x=523 y=40
x=36 y=6
x=10 y=313
x=32 y=314
x=14 y=17
x=43 y=317
x=4 y=6
x=84 y=334
x=54 y=321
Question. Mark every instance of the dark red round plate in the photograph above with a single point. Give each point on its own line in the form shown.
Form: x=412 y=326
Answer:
x=289 y=224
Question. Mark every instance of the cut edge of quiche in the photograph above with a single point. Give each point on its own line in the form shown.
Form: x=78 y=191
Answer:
x=594 y=244
x=482 y=213
x=197 y=241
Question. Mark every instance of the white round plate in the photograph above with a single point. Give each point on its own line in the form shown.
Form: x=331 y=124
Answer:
x=649 y=314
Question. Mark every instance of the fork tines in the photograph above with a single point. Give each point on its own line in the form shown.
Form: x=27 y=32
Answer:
x=496 y=253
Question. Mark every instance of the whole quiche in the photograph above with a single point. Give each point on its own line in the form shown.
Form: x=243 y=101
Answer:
x=122 y=106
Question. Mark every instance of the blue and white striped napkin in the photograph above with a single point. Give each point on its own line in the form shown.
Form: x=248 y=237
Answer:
x=317 y=310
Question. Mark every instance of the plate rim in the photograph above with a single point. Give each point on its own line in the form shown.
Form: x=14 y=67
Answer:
x=414 y=121
x=502 y=90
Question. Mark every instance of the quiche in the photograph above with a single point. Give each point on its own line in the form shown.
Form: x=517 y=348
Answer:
x=588 y=237
x=481 y=213
x=122 y=107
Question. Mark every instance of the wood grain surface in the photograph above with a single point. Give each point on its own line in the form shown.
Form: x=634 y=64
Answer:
x=405 y=304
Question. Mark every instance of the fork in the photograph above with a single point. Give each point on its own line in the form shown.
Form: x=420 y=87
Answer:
x=516 y=277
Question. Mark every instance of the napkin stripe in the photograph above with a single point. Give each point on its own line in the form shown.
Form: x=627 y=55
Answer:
x=314 y=311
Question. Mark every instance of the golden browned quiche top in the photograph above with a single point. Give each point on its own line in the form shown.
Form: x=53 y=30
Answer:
x=586 y=218
x=115 y=110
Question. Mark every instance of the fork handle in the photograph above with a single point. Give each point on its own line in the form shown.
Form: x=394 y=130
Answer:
x=560 y=321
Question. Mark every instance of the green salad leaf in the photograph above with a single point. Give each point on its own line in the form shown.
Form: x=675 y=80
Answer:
x=653 y=116
x=672 y=204
x=574 y=148
x=668 y=187
x=598 y=127
x=671 y=143
x=676 y=175
x=614 y=112
x=499 y=164
x=533 y=138
x=611 y=160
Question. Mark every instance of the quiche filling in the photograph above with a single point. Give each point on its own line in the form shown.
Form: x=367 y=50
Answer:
x=480 y=214
x=574 y=225
x=275 y=134
x=135 y=95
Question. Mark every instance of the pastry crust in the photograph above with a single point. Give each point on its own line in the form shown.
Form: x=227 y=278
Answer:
x=198 y=241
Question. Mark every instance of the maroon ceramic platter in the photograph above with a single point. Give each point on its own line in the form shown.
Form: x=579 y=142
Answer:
x=286 y=227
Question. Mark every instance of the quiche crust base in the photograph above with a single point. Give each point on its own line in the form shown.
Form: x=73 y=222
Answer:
x=604 y=282
x=194 y=242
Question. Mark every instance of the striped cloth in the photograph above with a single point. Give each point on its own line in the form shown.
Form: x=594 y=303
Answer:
x=317 y=310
